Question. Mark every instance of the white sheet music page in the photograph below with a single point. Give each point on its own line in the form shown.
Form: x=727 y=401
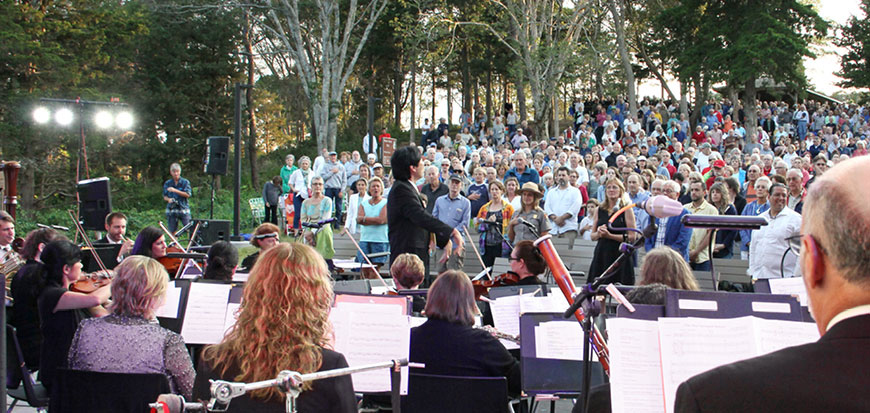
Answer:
x=231 y=317
x=635 y=366
x=559 y=340
x=367 y=333
x=773 y=335
x=169 y=309
x=205 y=314
x=506 y=317
x=789 y=286
x=547 y=304
x=690 y=346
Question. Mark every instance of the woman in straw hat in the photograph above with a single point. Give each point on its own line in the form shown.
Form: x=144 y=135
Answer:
x=530 y=212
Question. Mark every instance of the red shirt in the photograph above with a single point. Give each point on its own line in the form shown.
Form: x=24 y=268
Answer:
x=699 y=137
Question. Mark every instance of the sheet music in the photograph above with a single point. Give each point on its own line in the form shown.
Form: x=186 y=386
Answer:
x=206 y=309
x=418 y=321
x=560 y=340
x=773 y=335
x=241 y=277
x=635 y=366
x=789 y=286
x=690 y=346
x=372 y=333
x=506 y=317
x=231 y=317
x=548 y=304
x=169 y=309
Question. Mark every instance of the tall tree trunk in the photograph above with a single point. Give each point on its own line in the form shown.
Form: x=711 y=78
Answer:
x=434 y=100
x=684 y=101
x=398 y=82
x=466 y=78
x=251 y=144
x=505 y=93
x=449 y=99
x=555 y=128
x=489 y=95
x=411 y=133
x=751 y=123
x=619 y=23
x=521 y=97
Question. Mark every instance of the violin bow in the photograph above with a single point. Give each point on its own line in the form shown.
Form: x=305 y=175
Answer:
x=368 y=261
x=181 y=267
x=81 y=231
x=175 y=240
x=474 y=247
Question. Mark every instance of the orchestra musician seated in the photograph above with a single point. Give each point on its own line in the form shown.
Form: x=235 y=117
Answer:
x=26 y=286
x=664 y=265
x=116 y=229
x=61 y=310
x=448 y=343
x=283 y=324
x=127 y=340
x=150 y=242
x=265 y=237
x=221 y=262
x=527 y=262
x=407 y=272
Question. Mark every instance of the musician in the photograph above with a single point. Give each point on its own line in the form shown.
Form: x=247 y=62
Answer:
x=449 y=345
x=664 y=265
x=26 y=286
x=831 y=374
x=176 y=192
x=61 y=310
x=7 y=235
x=407 y=272
x=116 y=229
x=408 y=222
x=283 y=324
x=265 y=237
x=221 y=262
x=127 y=341
x=527 y=262
x=150 y=242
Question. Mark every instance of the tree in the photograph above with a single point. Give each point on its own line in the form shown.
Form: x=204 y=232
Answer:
x=324 y=42
x=618 y=13
x=855 y=38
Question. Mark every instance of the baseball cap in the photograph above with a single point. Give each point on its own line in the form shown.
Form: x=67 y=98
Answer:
x=377 y=165
x=718 y=163
x=455 y=177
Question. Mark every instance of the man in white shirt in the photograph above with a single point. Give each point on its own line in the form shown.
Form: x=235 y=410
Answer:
x=771 y=241
x=582 y=174
x=702 y=158
x=7 y=235
x=116 y=229
x=562 y=204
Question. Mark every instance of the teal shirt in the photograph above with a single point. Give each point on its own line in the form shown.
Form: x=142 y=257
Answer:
x=285 y=177
x=373 y=233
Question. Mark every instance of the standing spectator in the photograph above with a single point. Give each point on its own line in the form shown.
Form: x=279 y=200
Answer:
x=300 y=185
x=699 y=257
x=720 y=197
x=522 y=171
x=796 y=191
x=586 y=225
x=371 y=217
x=562 y=206
x=637 y=194
x=286 y=172
x=433 y=188
x=360 y=194
x=176 y=192
x=671 y=232
x=454 y=210
x=271 y=194
x=334 y=180
x=752 y=209
x=351 y=168
x=478 y=194
x=492 y=243
x=607 y=249
x=771 y=241
x=530 y=213
x=317 y=208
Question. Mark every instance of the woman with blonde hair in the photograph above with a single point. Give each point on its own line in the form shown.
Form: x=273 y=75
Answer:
x=448 y=343
x=607 y=248
x=283 y=324
x=128 y=340
x=720 y=197
x=664 y=265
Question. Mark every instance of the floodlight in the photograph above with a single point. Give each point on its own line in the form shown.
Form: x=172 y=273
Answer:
x=41 y=115
x=124 y=120
x=63 y=116
x=103 y=119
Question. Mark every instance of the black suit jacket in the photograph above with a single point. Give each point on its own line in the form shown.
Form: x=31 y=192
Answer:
x=409 y=224
x=830 y=375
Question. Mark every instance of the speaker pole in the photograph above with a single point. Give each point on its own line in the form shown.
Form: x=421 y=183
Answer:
x=211 y=210
x=237 y=157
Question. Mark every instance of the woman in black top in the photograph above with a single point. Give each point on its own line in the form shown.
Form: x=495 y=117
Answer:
x=150 y=242
x=61 y=310
x=223 y=258
x=607 y=249
x=527 y=262
x=283 y=324
x=449 y=345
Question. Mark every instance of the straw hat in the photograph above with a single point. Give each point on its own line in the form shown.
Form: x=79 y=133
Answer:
x=530 y=187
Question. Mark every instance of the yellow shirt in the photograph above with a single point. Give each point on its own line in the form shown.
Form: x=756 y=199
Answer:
x=697 y=235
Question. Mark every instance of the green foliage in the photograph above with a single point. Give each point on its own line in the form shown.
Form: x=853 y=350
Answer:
x=855 y=38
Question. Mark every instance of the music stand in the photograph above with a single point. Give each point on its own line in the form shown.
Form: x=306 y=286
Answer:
x=717 y=222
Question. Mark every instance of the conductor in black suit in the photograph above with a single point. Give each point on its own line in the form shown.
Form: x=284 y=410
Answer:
x=830 y=375
x=408 y=222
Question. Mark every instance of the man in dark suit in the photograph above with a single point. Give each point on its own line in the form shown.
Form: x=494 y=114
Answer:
x=408 y=222
x=116 y=230
x=673 y=234
x=829 y=375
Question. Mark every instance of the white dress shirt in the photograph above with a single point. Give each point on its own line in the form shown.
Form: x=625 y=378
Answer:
x=557 y=202
x=768 y=245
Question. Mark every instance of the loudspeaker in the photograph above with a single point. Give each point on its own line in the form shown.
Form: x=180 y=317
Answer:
x=212 y=230
x=217 y=154
x=95 y=202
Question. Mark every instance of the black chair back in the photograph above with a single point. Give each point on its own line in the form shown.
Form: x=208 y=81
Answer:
x=18 y=373
x=89 y=391
x=433 y=393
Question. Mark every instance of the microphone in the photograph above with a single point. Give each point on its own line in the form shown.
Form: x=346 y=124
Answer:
x=527 y=223
x=325 y=221
x=483 y=221
x=661 y=206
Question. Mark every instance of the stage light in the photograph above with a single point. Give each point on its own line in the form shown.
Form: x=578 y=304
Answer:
x=63 y=116
x=124 y=120
x=41 y=115
x=103 y=119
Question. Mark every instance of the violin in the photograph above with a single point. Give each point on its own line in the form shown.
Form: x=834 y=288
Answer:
x=89 y=283
x=481 y=287
x=171 y=264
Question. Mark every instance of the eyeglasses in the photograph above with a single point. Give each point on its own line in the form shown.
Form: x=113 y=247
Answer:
x=513 y=259
x=794 y=243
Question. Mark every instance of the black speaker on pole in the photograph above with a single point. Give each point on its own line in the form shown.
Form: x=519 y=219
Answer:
x=217 y=154
x=95 y=202
x=212 y=230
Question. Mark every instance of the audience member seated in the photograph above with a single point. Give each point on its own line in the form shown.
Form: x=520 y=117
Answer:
x=221 y=263
x=407 y=272
x=448 y=344
x=663 y=265
x=127 y=340
x=265 y=237
x=283 y=324
x=26 y=286
x=61 y=310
